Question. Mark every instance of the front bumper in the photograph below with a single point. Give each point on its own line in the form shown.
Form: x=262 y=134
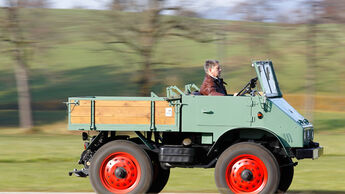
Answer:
x=312 y=153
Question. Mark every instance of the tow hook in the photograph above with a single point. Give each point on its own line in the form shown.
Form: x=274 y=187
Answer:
x=79 y=173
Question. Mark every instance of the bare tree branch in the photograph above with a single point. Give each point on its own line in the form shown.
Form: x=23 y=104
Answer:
x=138 y=27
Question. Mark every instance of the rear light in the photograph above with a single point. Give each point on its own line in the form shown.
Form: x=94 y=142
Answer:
x=86 y=144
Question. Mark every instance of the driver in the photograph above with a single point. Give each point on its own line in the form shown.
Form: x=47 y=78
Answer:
x=213 y=85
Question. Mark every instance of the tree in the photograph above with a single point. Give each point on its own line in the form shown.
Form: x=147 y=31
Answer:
x=333 y=11
x=19 y=37
x=320 y=11
x=259 y=12
x=136 y=27
x=311 y=47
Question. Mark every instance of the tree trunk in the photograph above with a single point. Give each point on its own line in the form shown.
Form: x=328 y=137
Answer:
x=145 y=81
x=24 y=96
x=311 y=65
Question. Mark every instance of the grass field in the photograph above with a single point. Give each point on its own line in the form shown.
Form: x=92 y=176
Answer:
x=40 y=162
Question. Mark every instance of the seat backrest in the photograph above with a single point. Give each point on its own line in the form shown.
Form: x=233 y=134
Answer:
x=196 y=93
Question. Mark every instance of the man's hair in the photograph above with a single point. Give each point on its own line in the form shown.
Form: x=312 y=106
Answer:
x=210 y=64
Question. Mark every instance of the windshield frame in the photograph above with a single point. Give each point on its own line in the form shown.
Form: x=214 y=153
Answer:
x=267 y=78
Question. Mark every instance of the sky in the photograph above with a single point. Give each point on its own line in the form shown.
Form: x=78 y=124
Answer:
x=211 y=9
x=100 y=4
x=87 y=4
x=201 y=5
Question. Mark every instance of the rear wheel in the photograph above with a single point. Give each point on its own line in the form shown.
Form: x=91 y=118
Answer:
x=121 y=167
x=247 y=168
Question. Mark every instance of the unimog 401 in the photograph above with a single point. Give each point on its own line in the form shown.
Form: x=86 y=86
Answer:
x=250 y=139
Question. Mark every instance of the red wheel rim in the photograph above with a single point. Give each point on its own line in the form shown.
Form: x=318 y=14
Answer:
x=246 y=173
x=127 y=174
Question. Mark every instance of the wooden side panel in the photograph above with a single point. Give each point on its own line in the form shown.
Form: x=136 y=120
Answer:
x=81 y=114
x=164 y=114
x=122 y=112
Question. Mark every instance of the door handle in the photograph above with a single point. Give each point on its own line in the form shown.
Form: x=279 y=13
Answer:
x=207 y=111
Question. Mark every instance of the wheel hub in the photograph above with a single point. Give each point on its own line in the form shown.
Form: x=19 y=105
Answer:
x=120 y=173
x=247 y=175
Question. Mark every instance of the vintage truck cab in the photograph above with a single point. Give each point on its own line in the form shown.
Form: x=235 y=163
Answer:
x=250 y=139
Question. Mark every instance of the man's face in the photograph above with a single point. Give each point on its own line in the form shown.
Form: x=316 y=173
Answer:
x=215 y=71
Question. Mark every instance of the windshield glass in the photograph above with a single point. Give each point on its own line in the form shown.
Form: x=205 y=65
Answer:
x=267 y=78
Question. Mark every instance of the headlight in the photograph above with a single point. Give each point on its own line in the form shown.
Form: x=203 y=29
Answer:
x=308 y=134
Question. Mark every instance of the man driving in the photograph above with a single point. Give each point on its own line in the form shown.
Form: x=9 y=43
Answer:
x=213 y=85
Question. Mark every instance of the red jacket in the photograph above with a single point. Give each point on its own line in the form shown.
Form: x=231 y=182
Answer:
x=213 y=87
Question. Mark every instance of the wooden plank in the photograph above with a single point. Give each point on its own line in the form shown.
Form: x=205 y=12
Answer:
x=141 y=111
x=162 y=103
x=111 y=120
x=164 y=114
x=165 y=121
x=161 y=112
x=80 y=120
x=123 y=120
x=80 y=111
x=123 y=112
x=130 y=103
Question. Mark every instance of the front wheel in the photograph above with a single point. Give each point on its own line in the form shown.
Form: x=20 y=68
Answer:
x=121 y=167
x=286 y=173
x=247 y=168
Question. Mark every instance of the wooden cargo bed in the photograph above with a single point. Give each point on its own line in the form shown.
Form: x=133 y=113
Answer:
x=98 y=111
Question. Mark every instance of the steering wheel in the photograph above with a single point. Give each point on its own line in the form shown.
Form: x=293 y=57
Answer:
x=248 y=88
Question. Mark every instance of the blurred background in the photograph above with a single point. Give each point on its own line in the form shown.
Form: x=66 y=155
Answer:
x=53 y=49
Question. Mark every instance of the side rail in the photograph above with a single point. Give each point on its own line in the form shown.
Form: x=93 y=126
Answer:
x=173 y=92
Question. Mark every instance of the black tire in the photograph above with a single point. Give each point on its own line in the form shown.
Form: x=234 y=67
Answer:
x=121 y=167
x=286 y=174
x=160 y=175
x=247 y=167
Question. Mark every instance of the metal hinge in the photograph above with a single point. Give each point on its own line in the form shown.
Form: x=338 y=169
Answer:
x=251 y=104
x=76 y=102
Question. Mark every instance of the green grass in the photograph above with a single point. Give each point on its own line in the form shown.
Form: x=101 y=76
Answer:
x=329 y=121
x=40 y=162
x=324 y=174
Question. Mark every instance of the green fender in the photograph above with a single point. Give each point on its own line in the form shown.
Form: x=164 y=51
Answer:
x=239 y=130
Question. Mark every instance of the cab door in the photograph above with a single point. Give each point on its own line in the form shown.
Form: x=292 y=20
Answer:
x=218 y=111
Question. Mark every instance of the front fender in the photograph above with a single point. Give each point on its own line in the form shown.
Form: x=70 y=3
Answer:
x=236 y=135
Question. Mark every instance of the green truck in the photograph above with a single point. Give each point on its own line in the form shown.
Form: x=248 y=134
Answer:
x=250 y=139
